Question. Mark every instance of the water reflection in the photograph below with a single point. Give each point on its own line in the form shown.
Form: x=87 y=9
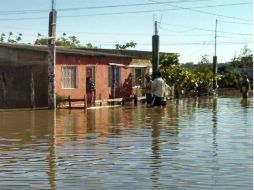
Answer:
x=190 y=144
x=214 y=143
x=245 y=102
x=155 y=146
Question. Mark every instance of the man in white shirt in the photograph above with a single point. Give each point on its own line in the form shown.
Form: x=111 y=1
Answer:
x=158 y=90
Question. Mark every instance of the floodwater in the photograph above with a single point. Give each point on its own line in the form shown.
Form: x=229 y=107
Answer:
x=203 y=143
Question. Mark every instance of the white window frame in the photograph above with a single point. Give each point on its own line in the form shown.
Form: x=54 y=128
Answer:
x=68 y=76
x=118 y=76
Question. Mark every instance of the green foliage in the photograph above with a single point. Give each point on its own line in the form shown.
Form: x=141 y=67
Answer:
x=191 y=82
x=204 y=68
x=64 y=40
x=70 y=41
x=166 y=60
x=244 y=59
x=11 y=38
x=229 y=80
x=125 y=46
x=89 y=45
x=204 y=59
x=41 y=40
x=59 y=99
x=2 y=37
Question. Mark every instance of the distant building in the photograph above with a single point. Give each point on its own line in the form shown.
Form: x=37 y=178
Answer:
x=189 y=63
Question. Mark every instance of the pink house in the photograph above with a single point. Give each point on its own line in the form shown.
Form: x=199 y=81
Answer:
x=21 y=64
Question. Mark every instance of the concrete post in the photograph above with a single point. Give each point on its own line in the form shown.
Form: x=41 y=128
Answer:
x=155 y=53
x=52 y=60
x=113 y=70
x=215 y=72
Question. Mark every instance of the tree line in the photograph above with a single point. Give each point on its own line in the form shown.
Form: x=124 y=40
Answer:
x=65 y=41
x=197 y=79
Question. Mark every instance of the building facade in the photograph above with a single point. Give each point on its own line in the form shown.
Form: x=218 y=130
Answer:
x=24 y=74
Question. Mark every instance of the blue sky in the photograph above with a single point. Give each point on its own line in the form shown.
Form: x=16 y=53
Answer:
x=186 y=26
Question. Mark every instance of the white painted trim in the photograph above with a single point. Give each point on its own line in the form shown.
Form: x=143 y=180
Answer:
x=116 y=64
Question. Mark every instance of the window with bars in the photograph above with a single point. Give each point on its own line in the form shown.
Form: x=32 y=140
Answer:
x=69 y=77
x=117 y=76
x=138 y=74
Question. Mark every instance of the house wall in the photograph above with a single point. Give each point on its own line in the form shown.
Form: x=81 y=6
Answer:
x=101 y=65
x=16 y=70
x=17 y=66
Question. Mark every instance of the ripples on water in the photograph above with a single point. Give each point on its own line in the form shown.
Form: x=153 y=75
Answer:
x=201 y=143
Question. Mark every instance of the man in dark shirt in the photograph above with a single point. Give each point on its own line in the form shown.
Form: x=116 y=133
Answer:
x=245 y=86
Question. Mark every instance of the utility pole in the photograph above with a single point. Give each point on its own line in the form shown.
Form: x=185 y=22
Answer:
x=52 y=58
x=113 y=87
x=215 y=58
x=155 y=53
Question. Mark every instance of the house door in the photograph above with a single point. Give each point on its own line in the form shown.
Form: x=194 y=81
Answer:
x=90 y=85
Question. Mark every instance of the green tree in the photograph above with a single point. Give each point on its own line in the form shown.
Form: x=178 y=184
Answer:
x=2 y=37
x=204 y=59
x=125 y=46
x=64 y=40
x=41 y=40
x=11 y=38
x=89 y=45
x=244 y=59
x=166 y=60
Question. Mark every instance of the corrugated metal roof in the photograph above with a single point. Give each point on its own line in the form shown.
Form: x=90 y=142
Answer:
x=138 y=54
x=63 y=50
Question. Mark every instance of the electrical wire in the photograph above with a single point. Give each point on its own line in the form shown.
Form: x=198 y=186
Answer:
x=102 y=7
x=122 y=12
x=208 y=30
x=203 y=12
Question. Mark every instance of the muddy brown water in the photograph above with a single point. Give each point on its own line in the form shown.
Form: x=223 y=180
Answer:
x=203 y=143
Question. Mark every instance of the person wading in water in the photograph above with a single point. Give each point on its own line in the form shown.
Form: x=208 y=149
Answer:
x=158 y=91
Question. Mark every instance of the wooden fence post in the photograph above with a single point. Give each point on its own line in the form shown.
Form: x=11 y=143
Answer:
x=100 y=99
x=69 y=100
x=85 y=102
x=135 y=100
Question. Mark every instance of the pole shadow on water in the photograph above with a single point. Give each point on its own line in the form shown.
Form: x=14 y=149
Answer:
x=52 y=149
x=215 y=168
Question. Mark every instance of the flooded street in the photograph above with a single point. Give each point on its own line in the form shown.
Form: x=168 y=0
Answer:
x=203 y=143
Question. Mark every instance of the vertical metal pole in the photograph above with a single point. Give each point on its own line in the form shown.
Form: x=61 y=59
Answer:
x=32 y=90
x=215 y=59
x=155 y=53
x=113 y=70
x=52 y=59
x=215 y=38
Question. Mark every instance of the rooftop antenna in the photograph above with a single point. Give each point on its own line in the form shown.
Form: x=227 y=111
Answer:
x=53 y=5
x=160 y=20
x=156 y=27
x=215 y=44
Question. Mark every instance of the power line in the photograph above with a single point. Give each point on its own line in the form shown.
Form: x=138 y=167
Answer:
x=117 y=6
x=96 y=7
x=153 y=3
x=209 y=30
x=203 y=12
x=244 y=23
